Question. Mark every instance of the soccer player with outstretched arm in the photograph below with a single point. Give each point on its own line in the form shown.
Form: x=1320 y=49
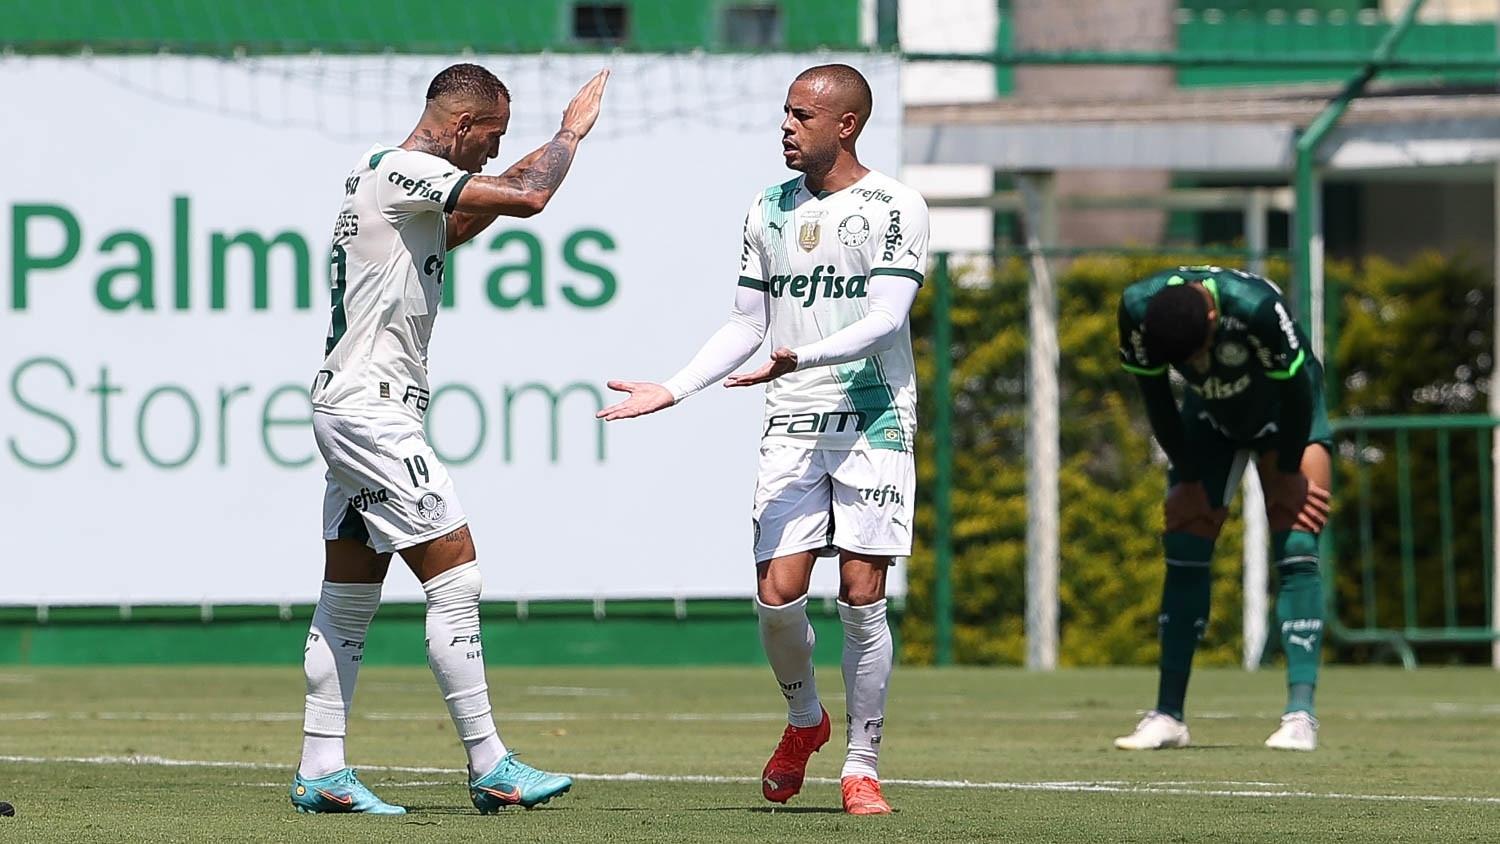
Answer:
x=1253 y=389
x=830 y=265
x=404 y=208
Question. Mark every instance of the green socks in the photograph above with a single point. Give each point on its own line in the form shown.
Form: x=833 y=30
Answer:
x=1299 y=613
x=1184 y=615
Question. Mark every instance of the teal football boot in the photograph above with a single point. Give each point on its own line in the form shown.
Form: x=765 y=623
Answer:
x=340 y=791
x=514 y=783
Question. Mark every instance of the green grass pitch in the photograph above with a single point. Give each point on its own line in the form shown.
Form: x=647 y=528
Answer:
x=206 y=754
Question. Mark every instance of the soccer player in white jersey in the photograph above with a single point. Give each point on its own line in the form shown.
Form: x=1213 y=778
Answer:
x=831 y=263
x=404 y=208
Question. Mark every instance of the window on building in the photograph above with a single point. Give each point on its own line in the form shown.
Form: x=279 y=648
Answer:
x=601 y=23
x=752 y=26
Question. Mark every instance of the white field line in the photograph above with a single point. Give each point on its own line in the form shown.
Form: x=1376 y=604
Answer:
x=393 y=716
x=502 y=717
x=1438 y=709
x=1208 y=788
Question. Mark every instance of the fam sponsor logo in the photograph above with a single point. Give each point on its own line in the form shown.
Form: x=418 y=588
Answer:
x=1302 y=632
x=471 y=642
x=416 y=187
x=836 y=421
x=367 y=497
x=417 y=398
x=825 y=283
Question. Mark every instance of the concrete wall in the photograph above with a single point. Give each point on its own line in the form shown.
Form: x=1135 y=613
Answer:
x=1118 y=24
x=1402 y=219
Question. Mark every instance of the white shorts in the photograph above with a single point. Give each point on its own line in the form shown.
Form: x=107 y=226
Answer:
x=822 y=500
x=386 y=487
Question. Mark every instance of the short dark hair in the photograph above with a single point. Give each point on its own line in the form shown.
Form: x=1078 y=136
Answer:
x=851 y=85
x=469 y=81
x=1176 y=324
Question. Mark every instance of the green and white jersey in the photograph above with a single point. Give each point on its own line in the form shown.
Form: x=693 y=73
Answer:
x=1256 y=345
x=813 y=256
x=389 y=244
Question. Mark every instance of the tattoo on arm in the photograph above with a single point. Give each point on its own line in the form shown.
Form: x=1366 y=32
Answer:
x=548 y=171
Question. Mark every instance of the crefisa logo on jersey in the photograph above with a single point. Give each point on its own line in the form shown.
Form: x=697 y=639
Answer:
x=431 y=506
x=366 y=497
x=854 y=230
x=892 y=237
x=824 y=283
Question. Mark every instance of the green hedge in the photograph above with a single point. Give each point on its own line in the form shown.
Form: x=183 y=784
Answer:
x=1415 y=340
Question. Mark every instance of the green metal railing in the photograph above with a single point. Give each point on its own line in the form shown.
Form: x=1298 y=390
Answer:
x=942 y=345
x=1408 y=438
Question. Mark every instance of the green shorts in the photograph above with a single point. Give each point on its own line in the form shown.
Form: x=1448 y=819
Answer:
x=1220 y=461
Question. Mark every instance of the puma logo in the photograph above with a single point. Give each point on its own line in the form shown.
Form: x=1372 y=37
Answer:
x=1302 y=641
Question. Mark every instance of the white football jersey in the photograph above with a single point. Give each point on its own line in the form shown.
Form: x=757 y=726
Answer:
x=813 y=257
x=389 y=244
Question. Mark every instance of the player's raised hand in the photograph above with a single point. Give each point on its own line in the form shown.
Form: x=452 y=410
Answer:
x=584 y=109
x=645 y=397
x=782 y=361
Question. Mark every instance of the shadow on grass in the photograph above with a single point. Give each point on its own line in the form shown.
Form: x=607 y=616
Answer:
x=756 y=810
x=419 y=811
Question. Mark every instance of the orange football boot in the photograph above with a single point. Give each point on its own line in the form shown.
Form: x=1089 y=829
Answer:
x=862 y=797
x=782 y=778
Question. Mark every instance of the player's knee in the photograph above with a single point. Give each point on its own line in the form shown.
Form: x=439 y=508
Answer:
x=1295 y=550
x=1182 y=547
x=784 y=613
x=460 y=585
x=861 y=594
x=1204 y=525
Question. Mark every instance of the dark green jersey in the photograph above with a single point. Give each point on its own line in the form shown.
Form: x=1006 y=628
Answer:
x=1257 y=349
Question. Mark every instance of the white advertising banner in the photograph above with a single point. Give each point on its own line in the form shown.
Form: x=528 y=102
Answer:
x=165 y=304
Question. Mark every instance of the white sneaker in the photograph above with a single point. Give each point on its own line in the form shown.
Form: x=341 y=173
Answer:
x=1156 y=731
x=1298 y=731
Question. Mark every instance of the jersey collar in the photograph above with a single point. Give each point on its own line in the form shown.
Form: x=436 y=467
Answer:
x=1212 y=285
x=802 y=186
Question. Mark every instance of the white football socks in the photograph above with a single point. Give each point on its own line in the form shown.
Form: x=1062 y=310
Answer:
x=867 y=672
x=335 y=647
x=456 y=656
x=788 y=639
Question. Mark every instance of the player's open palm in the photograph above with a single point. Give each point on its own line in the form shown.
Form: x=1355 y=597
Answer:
x=584 y=109
x=645 y=397
x=782 y=361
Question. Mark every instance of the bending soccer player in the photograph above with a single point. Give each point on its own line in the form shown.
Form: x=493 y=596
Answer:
x=831 y=263
x=387 y=492
x=1254 y=388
